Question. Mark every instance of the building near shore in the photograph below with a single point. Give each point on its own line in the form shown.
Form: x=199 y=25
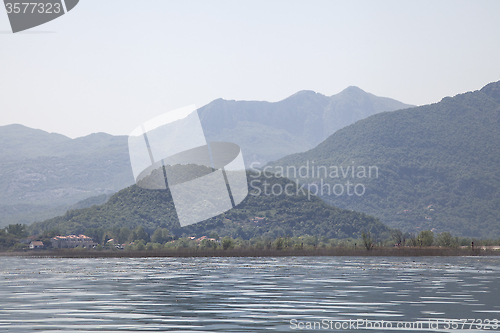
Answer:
x=72 y=241
x=36 y=245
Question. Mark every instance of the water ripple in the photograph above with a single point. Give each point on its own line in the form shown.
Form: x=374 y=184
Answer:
x=239 y=294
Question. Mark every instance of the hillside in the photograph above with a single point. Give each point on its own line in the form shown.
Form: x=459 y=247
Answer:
x=267 y=131
x=282 y=215
x=438 y=165
x=42 y=174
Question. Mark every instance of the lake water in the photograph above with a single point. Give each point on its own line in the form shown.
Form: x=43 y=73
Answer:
x=248 y=294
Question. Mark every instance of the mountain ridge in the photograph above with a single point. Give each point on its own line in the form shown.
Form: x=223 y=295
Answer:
x=300 y=121
x=443 y=155
x=47 y=170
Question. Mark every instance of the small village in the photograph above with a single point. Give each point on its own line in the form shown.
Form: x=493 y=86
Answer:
x=85 y=242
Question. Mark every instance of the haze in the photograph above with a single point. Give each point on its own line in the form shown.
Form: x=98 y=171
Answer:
x=108 y=66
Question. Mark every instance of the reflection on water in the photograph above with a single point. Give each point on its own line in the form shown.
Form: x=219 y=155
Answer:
x=240 y=294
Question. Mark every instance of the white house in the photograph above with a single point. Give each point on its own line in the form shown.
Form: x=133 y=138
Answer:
x=36 y=245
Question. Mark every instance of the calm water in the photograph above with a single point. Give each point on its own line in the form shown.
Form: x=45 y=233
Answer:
x=242 y=294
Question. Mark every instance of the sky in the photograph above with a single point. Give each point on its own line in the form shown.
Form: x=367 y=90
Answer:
x=109 y=65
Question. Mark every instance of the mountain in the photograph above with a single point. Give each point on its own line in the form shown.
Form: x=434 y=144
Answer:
x=18 y=142
x=42 y=174
x=433 y=167
x=295 y=214
x=267 y=131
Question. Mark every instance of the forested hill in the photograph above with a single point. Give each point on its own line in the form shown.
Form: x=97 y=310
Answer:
x=277 y=215
x=438 y=165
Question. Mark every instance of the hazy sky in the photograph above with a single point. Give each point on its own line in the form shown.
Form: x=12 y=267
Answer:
x=109 y=65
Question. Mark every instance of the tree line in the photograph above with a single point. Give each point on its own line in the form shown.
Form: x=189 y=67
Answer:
x=15 y=238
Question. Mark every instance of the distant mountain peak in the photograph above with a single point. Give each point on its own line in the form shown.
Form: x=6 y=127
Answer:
x=22 y=131
x=492 y=90
x=15 y=126
x=305 y=92
x=20 y=127
x=99 y=135
x=353 y=89
x=306 y=95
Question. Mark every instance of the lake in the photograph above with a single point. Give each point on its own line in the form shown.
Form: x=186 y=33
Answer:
x=280 y=294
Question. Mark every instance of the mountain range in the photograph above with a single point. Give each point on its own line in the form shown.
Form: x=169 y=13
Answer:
x=268 y=131
x=433 y=167
x=42 y=174
x=437 y=166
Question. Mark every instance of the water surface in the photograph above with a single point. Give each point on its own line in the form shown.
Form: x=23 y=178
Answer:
x=241 y=294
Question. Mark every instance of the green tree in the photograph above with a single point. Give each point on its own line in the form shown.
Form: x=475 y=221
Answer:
x=182 y=243
x=17 y=230
x=50 y=234
x=105 y=239
x=96 y=234
x=278 y=243
x=227 y=243
x=425 y=238
x=311 y=240
x=161 y=236
x=398 y=236
x=445 y=239
x=6 y=240
x=208 y=244
x=367 y=240
x=124 y=235
x=139 y=234
x=139 y=245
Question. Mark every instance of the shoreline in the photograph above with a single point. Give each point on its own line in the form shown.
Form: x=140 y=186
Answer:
x=337 y=252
